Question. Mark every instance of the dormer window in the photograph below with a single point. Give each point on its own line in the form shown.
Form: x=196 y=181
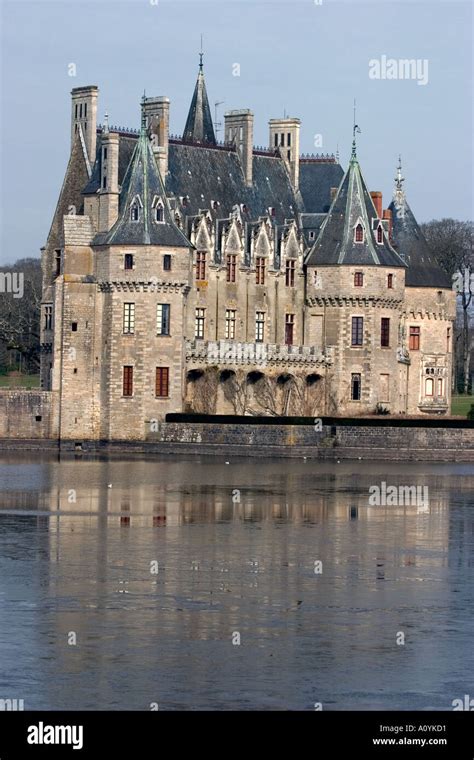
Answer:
x=159 y=213
x=134 y=213
x=359 y=233
x=380 y=234
x=312 y=235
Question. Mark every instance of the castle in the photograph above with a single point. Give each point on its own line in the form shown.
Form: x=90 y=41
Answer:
x=181 y=274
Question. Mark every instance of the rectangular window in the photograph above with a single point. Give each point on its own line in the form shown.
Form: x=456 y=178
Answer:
x=414 y=338
x=57 y=254
x=162 y=382
x=356 y=386
x=231 y=267
x=48 y=317
x=288 y=139
x=167 y=262
x=385 y=332
x=200 y=265
x=260 y=327
x=357 y=331
x=448 y=340
x=358 y=279
x=390 y=281
x=230 y=324
x=128 y=261
x=127 y=381
x=289 y=329
x=290 y=273
x=163 y=319
x=260 y=270
x=129 y=318
x=199 y=323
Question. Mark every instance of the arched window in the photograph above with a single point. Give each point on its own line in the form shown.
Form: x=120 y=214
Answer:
x=429 y=386
x=134 y=213
x=359 y=234
x=159 y=213
x=379 y=234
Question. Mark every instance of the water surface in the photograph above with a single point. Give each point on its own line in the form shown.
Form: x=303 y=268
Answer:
x=236 y=547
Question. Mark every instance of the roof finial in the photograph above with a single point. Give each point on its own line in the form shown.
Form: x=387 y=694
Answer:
x=399 y=179
x=337 y=152
x=200 y=56
x=106 y=122
x=143 y=123
x=355 y=129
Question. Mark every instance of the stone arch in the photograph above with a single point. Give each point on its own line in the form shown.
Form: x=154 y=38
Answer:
x=201 y=390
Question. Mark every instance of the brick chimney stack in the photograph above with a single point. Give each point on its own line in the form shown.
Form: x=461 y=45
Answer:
x=376 y=196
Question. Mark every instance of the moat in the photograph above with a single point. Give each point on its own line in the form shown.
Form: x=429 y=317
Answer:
x=189 y=583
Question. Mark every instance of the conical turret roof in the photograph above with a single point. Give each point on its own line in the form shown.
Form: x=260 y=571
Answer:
x=337 y=242
x=423 y=269
x=199 y=126
x=142 y=193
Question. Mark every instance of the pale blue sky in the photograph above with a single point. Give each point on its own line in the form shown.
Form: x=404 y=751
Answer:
x=308 y=59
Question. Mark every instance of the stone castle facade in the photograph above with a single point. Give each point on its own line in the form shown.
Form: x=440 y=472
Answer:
x=181 y=274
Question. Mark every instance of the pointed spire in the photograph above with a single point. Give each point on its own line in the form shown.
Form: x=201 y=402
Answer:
x=199 y=127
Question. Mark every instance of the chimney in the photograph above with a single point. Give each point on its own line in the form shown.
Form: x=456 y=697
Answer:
x=84 y=113
x=387 y=214
x=157 y=112
x=376 y=196
x=333 y=193
x=238 y=129
x=285 y=137
x=109 y=189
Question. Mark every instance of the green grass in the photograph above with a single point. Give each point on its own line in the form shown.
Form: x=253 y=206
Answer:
x=461 y=405
x=21 y=381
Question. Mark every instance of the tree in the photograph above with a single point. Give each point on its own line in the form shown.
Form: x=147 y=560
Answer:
x=452 y=244
x=20 y=309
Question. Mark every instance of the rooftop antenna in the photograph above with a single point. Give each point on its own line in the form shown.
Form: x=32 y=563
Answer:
x=355 y=130
x=217 y=124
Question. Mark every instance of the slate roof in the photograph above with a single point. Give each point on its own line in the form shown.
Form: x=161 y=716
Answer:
x=199 y=126
x=335 y=243
x=142 y=184
x=210 y=174
x=423 y=269
x=316 y=180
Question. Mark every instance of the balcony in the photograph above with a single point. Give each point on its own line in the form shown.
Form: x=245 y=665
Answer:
x=233 y=353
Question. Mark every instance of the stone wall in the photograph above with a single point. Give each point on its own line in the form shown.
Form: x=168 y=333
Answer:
x=28 y=414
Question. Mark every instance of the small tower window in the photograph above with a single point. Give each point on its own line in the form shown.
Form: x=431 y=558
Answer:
x=104 y=182
x=80 y=111
x=379 y=234
x=104 y=155
x=134 y=213
x=390 y=281
x=359 y=234
x=358 y=279
x=85 y=110
x=167 y=262
x=128 y=261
